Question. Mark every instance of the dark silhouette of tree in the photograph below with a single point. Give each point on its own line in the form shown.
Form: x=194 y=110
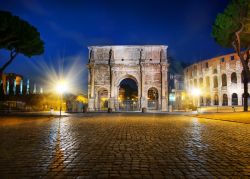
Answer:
x=18 y=37
x=232 y=30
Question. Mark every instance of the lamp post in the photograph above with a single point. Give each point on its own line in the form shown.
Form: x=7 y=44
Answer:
x=61 y=88
x=196 y=92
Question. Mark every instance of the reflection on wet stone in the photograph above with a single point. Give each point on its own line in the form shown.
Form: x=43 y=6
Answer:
x=57 y=164
x=123 y=146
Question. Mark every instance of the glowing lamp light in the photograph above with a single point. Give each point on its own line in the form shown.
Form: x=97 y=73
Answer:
x=61 y=87
x=196 y=92
x=172 y=97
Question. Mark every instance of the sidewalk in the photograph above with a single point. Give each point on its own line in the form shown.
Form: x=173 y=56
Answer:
x=239 y=117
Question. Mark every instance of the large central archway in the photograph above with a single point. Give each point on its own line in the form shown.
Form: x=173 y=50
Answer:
x=128 y=95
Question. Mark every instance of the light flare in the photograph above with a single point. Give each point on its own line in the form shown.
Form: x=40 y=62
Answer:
x=62 y=74
x=196 y=92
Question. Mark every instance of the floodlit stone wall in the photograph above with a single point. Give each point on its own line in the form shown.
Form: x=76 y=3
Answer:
x=109 y=65
x=219 y=79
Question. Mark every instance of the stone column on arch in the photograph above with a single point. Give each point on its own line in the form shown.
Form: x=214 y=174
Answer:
x=91 y=102
x=143 y=100
x=112 y=99
x=163 y=87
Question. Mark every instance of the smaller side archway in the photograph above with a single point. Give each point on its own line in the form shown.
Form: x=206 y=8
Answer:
x=102 y=99
x=153 y=98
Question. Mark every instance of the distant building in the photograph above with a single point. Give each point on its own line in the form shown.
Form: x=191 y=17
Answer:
x=15 y=84
x=219 y=79
x=176 y=91
x=18 y=93
x=11 y=83
x=76 y=103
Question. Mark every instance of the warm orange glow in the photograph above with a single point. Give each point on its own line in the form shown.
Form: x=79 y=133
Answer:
x=82 y=99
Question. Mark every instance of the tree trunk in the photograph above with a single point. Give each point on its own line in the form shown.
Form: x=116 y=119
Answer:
x=13 y=55
x=246 y=79
x=246 y=76
x=245 y=95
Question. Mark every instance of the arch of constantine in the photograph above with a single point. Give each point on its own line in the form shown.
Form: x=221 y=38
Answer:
x=128 y=78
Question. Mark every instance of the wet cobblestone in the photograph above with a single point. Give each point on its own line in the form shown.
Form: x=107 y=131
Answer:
x=123 y=146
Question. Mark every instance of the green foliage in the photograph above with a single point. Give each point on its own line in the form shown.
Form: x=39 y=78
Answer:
x=230 y=21
x=19 y=36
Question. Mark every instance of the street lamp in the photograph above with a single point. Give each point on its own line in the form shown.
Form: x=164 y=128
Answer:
x=196 y=92
x=61 y=87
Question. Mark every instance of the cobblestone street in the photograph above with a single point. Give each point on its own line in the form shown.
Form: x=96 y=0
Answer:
x=123 y=146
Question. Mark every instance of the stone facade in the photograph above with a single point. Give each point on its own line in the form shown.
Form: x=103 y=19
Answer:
x=109 y=65
x=219 y=80
x=176 y=91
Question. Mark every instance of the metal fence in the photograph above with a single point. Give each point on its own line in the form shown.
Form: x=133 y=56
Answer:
x=128 y=105
x=153 y=105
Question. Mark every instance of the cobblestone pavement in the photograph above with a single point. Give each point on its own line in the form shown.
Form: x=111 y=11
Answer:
x=123 y=146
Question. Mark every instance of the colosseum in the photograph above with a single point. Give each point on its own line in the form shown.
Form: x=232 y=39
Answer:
x=218 y=80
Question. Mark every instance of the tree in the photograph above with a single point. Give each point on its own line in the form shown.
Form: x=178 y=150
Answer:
x=232 y=30
x=18 y=37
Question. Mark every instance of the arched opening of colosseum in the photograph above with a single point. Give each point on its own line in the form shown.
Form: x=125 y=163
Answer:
x=201 y=82
x=208 y=100
x=225 y=100
x=216 y=99
x=153 y=97
x=207 y=81
x=102 y=99
x=128 y=95
x=195 y=83
x=234 y=99
x=215 y=82
x=233 y=77
x=201 y=101
x=191 y=84
x=224 y=79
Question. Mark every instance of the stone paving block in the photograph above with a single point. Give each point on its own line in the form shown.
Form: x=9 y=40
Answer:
x=124 y=146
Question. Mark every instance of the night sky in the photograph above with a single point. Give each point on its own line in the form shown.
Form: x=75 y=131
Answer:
x=68 y=27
